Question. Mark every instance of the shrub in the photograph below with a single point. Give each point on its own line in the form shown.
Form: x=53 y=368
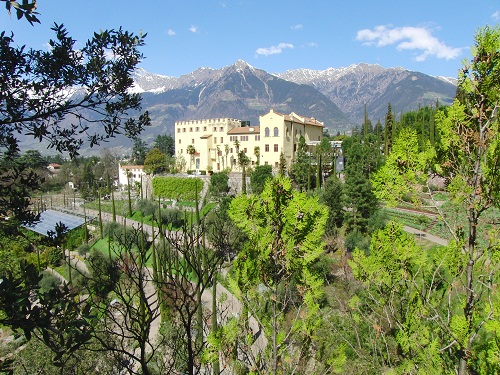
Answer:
x=177 y=187
x=54 y=256
x=172 y=217
x=48 y=282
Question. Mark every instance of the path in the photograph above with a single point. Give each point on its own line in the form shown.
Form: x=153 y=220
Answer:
x=426 y=236
x=231 y=306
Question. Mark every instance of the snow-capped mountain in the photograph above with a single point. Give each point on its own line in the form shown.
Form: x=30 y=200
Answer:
x=357 y=85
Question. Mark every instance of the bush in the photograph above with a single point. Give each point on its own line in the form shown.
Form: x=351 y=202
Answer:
x=83 y=249
x=177 y=187
x=219 y=184
x=355 y=240
x=172 y=217
x=259 y=177
x=54 y=256
x=146 y=207
x=48 y=282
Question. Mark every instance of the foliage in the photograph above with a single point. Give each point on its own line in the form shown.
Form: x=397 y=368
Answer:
x=139 y=151
x=219 y=184
x=259 y=177
x=331 y=196
x=57 y=318
x=102 y=81
x=27 y=10
x=404 y=169
x=285 y=230
x=155 y=161
x=165 y=143
x=301 y=167
x=177 y=187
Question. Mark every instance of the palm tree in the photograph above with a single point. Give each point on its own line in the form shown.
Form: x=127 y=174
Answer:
x=226 y=149
x=237 y=146
x=256 y=152
x=191 y=151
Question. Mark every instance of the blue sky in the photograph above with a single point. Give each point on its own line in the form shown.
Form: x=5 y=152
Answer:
x=432 y=37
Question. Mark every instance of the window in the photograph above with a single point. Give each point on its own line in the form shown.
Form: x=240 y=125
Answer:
x=266 y=132
x=197 y=129
x=244 y=138
x=233 y=138
x=221 y=139
x=245 y=150
x=215 y=139
x=275 y=148
x=266 y=148
x=192 y=141
x=275 y=132
x=231 y=150
x=257 y=137
x=183 y=130
x=215 y=129
x=191 y=129
x=179 y=141
x=204 y=128
x=178 y=130
x=221 y=128
x=266 y=163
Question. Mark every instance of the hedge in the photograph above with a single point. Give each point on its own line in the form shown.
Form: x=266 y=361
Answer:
x=180 y=188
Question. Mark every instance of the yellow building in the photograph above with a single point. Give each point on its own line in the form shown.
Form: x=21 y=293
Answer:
x=213 y=144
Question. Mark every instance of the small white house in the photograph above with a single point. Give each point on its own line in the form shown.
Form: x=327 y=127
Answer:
x=130 y=174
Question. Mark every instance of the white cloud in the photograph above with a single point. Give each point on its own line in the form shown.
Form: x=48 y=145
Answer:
x=312 y=44
x=496 y=16
x=170 y=32
x=298 y=27
x=193 y=29
x=409 y=38
x=273 y=50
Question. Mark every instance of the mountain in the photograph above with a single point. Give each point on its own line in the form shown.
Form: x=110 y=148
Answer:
x=334 y=96
x=236 y=91
x=352 y=87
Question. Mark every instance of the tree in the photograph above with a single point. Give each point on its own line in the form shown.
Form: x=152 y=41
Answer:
x=301 y=166
x=469 y=156
x=259 y=177
x=285 y=230
x=219 y=186
x=190 y=150
x=26 y=9
x=139 y=151
x=243 y=162
x=165 y=143
x=155 y=161
x=331 y=196
x=256 y=152
x=389 y=129
x=103 y=96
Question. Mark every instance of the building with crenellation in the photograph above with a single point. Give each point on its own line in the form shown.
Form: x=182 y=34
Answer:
x=213 y=144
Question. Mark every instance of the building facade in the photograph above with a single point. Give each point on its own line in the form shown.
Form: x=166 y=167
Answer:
x=134 y=172
x=213 y=144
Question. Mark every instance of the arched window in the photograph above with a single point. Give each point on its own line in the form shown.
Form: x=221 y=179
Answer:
x=276 y=132
x=266 y=132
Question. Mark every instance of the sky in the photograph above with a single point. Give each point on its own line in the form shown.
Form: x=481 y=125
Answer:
x=432 y=37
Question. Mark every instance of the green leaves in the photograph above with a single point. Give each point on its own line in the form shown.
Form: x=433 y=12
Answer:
x=404 y=169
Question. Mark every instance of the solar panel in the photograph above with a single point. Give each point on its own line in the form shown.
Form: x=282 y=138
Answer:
x=49 y=219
